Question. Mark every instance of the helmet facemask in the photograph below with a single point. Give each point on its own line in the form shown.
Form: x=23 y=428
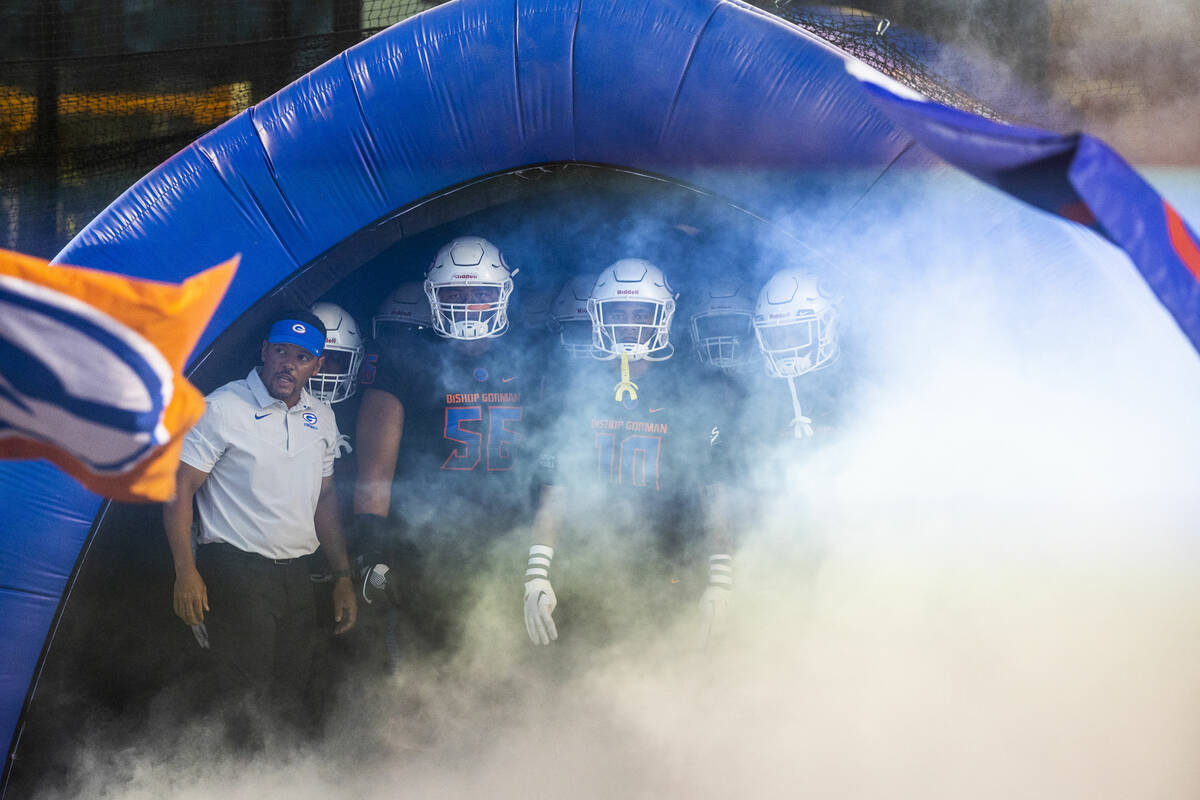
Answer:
x=803 y=343
x=724 y=339
x=338 y=378
x=637 y=328
x=468 y=286
x=575 y=337
x=469 y=311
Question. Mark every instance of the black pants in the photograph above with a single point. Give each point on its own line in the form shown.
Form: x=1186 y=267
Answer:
x=261 y=626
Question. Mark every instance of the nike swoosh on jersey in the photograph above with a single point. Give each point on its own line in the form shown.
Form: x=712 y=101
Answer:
x=656 y=410
x=262 y=416
x=509 y=378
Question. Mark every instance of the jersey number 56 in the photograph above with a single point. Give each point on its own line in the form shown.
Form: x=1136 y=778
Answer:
x=498 y=440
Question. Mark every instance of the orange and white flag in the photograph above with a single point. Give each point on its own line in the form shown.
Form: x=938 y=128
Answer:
x=91 y=371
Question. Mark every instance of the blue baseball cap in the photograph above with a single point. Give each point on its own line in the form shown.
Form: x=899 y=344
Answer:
x=293 y=331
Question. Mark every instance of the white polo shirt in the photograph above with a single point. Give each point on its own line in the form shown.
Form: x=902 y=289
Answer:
x=264 y=462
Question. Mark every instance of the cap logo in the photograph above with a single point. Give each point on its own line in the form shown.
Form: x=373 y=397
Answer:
x=298 y=328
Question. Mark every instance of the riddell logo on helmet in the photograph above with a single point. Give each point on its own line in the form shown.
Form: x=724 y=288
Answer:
x=779 y=316
x=466 y=277
x=627 y=291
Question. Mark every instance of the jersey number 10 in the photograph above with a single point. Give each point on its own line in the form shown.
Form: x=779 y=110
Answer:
x=633 y=462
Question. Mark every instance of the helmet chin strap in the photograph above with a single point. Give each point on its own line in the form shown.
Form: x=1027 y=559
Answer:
x=626 y=386
x=801 y=425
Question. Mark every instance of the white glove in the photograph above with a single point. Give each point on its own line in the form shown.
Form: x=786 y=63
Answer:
x=201 y=634
x=374 y=585
x=540 y=601
x=715 y=601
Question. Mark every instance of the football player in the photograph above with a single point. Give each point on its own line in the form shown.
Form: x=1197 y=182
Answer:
x=569 y=317
x=403 y=315
x=795 y=323
x=441 y=467
x=638 y=450
x=337 y=379
x=722 y=326
x=335 y=383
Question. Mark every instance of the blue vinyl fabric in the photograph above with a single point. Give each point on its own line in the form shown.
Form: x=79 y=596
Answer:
x=712 y=93
x=1075 y=176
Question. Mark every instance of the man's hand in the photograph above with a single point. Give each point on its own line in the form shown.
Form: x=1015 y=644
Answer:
x=540 y=603
x=191 y=596
x=345 y=605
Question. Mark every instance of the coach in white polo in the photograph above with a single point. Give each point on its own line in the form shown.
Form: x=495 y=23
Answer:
x=259 y=466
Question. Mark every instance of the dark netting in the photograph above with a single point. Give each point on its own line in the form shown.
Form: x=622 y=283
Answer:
x=96 y=93
x=909 y=59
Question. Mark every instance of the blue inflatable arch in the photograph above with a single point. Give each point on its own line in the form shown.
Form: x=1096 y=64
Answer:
x=464 y=100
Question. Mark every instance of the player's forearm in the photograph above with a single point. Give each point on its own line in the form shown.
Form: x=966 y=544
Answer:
x=548 y=519
x=380 y=429
x=329 y=532
x=373 y=496
x=715 y=501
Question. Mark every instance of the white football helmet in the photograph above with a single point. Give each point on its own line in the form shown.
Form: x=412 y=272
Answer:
x=338 y=378
x=569 y=316
x=796 y=323
x=631 y=307
x=468 y=286
x=402 y=312
x=722 y=325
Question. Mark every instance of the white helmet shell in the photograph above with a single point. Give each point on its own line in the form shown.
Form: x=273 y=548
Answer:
x=631 y=307
x=468 y=286
x=569 y=316
x=404 y=310
x=338 y=378
x=795 y=322
x=722 y=325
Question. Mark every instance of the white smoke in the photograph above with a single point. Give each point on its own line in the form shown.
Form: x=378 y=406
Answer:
x=985 y=585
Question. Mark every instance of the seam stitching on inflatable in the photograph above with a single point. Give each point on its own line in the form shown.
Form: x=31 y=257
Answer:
x=517 y=70
x=687 y=65
x=373 y=171
x=571 y=74
x=211 y=160
x=266 y=155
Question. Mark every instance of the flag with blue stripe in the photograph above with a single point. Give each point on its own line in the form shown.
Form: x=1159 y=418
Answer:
x=90 y=371
x=1075 y=176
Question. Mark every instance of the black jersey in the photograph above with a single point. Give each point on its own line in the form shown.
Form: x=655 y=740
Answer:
x=638 y=462
x=462 y=466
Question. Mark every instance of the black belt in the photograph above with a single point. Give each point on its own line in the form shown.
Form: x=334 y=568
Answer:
x=226 y=547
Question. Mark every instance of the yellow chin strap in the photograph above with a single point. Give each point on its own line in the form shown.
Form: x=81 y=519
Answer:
x=626 y=386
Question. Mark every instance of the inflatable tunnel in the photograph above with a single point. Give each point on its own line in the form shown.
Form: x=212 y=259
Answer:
x=472 y=113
